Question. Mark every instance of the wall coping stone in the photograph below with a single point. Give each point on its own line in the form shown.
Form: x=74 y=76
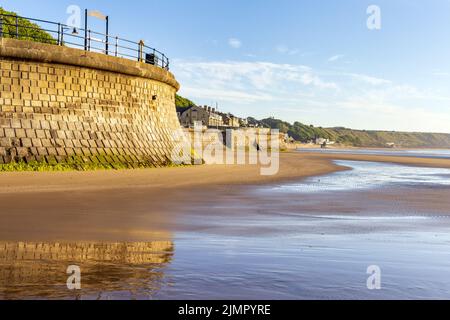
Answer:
x=48 y=53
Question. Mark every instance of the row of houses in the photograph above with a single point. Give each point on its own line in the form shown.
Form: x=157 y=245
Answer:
x=209 y=117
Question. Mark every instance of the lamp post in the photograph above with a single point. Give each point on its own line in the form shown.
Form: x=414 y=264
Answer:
x=85 y=29
x=98 y=15
x=107 y=35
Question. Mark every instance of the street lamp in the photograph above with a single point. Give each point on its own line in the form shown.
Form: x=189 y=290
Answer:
x=63 y=29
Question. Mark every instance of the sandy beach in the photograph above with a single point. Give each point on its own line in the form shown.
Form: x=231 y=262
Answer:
x=134 y=205
x=126 y=205
x=293 y=165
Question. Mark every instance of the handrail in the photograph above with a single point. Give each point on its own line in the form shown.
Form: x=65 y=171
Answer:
x=13 y=26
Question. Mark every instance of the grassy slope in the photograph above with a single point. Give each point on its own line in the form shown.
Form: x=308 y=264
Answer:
x=182 y=102
x=359 y=138
x=403 y=139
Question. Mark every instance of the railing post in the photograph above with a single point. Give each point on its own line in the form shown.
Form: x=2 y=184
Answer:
x=85 y=29
x=89 y=41
x=117 y=46
x=17 y=27
x=141 y=51
x=62 y=36
x=59 y=34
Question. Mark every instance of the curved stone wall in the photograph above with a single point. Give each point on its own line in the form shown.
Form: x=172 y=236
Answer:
x=63 y=105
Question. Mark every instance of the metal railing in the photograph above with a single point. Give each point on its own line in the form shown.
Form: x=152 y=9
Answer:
x=13 y=26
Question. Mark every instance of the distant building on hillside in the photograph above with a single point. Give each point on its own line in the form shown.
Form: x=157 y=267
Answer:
x=243 y=122
x=321 y=141
x=288 y=139
x=231 y=121
x=390 y=145
x=206 y=115
x=324 y=142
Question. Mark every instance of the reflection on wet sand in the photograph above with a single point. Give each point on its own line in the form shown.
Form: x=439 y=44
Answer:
x=108 y=270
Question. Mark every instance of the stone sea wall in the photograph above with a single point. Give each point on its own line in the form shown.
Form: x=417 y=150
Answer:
x=63 y=105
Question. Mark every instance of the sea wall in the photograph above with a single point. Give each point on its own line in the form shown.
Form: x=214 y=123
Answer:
x=241 y=138
x=64 y=105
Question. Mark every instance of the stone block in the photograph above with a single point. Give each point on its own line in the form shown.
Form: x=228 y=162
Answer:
x=9 y=133
x=46 y=143
x=22 y=152
x=16 y=123
x=5 y=142
x=51 y=151
x=42 y=151
x=36 y=142
x=26 y=142
x=40 y=134
x=5 y=123
x=31 y=133
x=45 y=125
x=20 y=133
x=61 y=151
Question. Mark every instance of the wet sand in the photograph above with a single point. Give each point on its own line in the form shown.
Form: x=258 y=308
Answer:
x=292 y=166
x=142 y=205
x=236 y=231
x=411 y=161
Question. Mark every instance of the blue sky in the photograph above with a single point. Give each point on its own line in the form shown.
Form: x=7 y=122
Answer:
x=310 y=61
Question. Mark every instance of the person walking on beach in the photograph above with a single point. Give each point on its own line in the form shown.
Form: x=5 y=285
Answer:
x=256 y=145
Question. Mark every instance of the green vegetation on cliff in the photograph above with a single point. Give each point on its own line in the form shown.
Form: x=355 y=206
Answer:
x=27 y=29
x=298 y=131
x=360 y=138
x=381 y=138
x=182 y=102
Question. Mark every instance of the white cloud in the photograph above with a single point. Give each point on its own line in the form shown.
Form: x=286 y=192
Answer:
x=441 y=74
x=230 y=96
x=235 y=43
x=301 y=93
x=239 y=81
x=286 y=50
x=383 y=114
x=369 y=79
x=336 y=57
